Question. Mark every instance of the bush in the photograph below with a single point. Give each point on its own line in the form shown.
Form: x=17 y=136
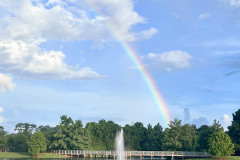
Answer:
x=220 y=145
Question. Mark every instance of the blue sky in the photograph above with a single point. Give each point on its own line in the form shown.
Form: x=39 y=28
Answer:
x=61 y=57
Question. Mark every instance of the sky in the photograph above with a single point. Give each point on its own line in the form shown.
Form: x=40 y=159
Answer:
x=67 y=57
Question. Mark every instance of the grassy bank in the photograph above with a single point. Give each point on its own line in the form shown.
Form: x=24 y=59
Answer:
x=228 y=158
x=51 y=155
x=26 y=155
x=14 y=155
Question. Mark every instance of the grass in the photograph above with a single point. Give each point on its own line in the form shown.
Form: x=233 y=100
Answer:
x=51 y=155
x=228 y=158
x=16 y=155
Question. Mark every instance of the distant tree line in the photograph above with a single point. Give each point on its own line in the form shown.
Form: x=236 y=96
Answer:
x=72 y=135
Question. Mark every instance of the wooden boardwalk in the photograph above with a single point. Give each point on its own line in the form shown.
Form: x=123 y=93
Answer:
x=131 y=154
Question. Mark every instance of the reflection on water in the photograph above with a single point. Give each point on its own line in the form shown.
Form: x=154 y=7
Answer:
x=76 y=159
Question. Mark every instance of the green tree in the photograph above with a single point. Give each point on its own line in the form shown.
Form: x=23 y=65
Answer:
x=17 y=142
x=70 y=135
x=180 y=138
x=3 y=139
x=220 y=144
x=154 y=138
x=37 y=143
x=234 y=131
x=135 y=136
x=216 y=126
x=48 y=133
x=172 y=135
x=204 y=133
x=25 y=128
x=102 y=134
x=188 y=137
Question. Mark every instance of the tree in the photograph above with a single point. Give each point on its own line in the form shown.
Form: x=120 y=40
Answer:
x=135 y=136
x=48 y=133
x=70 y=135
x=204 y=133
x=234 y=131
x=37 y=143
x=180 y=138
x=3 y=140
x=25 y=128
x=188 y=137
x=171 y=139
x=17 y=142
x=102 y=134
x=220 y=144
x=154 y=138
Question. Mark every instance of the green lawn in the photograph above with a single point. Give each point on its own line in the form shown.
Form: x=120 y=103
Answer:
x=14 y=155
x=26 y=155
x=51 y=155
x=228 y=158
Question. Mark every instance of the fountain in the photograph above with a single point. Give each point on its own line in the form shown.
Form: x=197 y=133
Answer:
x=119 y=144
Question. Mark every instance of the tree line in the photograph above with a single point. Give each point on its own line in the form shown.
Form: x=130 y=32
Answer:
x=72 y=135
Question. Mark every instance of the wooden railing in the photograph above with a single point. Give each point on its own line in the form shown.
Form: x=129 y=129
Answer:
x=152 y=154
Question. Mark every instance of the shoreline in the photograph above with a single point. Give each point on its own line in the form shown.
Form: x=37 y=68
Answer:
x=16 y=155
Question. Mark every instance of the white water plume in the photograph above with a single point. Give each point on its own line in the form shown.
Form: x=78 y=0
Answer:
x=119 y=144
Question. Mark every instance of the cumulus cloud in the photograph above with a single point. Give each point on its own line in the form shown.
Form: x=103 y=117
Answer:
x=60 y=20
x=175 y=59
x=121 y=17
x=204 y=16
x=26 y=59
x=226 y=121
x=200 y=121
x=5 y=83
x=28 y=23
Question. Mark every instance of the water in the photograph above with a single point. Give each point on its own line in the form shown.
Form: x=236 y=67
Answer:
x=119 y=144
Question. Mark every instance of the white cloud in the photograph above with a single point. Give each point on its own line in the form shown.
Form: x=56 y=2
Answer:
x=234 y=3
x=27 y=24
x=146 y=34
x=226 y=121
x=62 y=21
x=204 y=16
x=172 y=59
x=29 y=60
x=5 y=83
x=121 y=17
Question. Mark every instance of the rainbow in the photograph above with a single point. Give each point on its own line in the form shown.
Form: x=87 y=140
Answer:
x=149 y=81
x=161 y=105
